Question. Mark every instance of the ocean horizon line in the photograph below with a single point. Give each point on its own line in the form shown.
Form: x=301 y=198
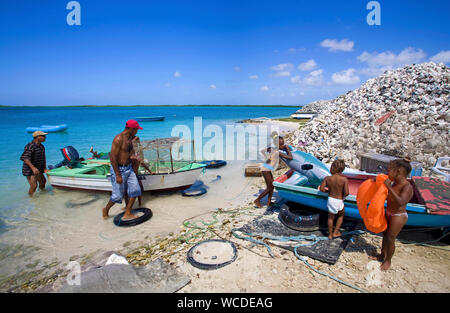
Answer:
x=152 y=105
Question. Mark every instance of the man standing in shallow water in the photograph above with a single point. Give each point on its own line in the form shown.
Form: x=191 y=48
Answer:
x=123 y=178
x=34 y=163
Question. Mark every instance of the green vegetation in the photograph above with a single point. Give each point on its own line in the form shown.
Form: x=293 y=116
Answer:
x=290 y=119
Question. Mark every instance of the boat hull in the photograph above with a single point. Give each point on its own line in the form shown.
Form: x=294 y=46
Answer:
x=150 y=119
x=151 y=182
x=417 y=214
x=300 y=116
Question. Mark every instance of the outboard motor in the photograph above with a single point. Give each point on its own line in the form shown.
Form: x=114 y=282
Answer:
x=70 y=154
x=71 y=158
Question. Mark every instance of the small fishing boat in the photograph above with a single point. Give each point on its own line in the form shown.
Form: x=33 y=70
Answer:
x=166 y=173
x=150 y=119
x=303 y=115
x=48 y=128
x=420 y=212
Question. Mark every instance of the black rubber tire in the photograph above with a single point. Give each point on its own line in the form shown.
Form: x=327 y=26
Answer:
x=203 y=266
x=141 y=219
x=194 y=193
x=214 y=163
x=71 y=204
x=297 y=219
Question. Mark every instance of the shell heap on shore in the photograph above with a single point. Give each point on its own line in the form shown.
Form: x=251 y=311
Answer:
x=345 y=126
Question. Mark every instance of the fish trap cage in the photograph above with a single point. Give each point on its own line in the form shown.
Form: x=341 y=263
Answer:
x=162 y=155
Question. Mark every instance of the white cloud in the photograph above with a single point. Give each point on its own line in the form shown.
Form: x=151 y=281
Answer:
x=334 y=45
x=346 y=77
x=283 y=67
x=264 y=88
x=295 y=80
x=314 y=78
x=308 y=65
x=177 y=74
x=443 y=56
x=282 y=74
x=253 y=77
x=387 y=60
x=237 y=69
x=212 y=86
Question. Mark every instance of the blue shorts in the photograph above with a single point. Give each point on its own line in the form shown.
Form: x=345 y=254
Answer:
x=130 y=184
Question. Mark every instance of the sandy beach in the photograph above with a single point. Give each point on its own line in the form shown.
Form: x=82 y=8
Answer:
x=415 y=268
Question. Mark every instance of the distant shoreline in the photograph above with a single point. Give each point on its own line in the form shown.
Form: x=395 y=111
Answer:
x=150 y=105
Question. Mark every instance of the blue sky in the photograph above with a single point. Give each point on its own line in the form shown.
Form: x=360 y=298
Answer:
x=208 y=52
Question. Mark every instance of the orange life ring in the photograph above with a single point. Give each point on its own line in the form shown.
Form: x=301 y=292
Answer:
x=373 y=194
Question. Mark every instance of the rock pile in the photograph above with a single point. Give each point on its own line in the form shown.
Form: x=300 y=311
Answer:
x=419 y=128
x=316 y=106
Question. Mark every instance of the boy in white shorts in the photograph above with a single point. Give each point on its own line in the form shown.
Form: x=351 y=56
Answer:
x=337 y=188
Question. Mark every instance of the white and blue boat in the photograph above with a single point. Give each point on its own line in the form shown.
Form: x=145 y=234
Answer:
x=309 y=195
x=48 y=128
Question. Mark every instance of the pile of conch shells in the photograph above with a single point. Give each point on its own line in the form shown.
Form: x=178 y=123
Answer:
x=419 y=128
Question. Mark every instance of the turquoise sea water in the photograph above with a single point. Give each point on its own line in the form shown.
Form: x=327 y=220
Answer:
x=93 y=126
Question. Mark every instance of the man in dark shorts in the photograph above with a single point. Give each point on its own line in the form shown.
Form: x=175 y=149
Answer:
x=34 y=163
x=123 y=178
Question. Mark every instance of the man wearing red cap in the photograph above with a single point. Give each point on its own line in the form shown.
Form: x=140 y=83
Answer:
x=123 y=178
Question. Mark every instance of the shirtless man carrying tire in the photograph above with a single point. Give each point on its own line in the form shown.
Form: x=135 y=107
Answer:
x=123 y=178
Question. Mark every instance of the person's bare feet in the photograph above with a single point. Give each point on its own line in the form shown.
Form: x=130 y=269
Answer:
x=330 y=236
x=337 y=234
x=385 y=265
x=258 y=204
x=378 y=257
x=105 y=213
x=91 y=150
x=127 y=217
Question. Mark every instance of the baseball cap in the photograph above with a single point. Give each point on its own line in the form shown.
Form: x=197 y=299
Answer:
x=132 y=124
x=39 y=133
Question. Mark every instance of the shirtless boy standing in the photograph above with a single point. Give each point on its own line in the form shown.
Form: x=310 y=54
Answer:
x=337 y=191
x=123 y=178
